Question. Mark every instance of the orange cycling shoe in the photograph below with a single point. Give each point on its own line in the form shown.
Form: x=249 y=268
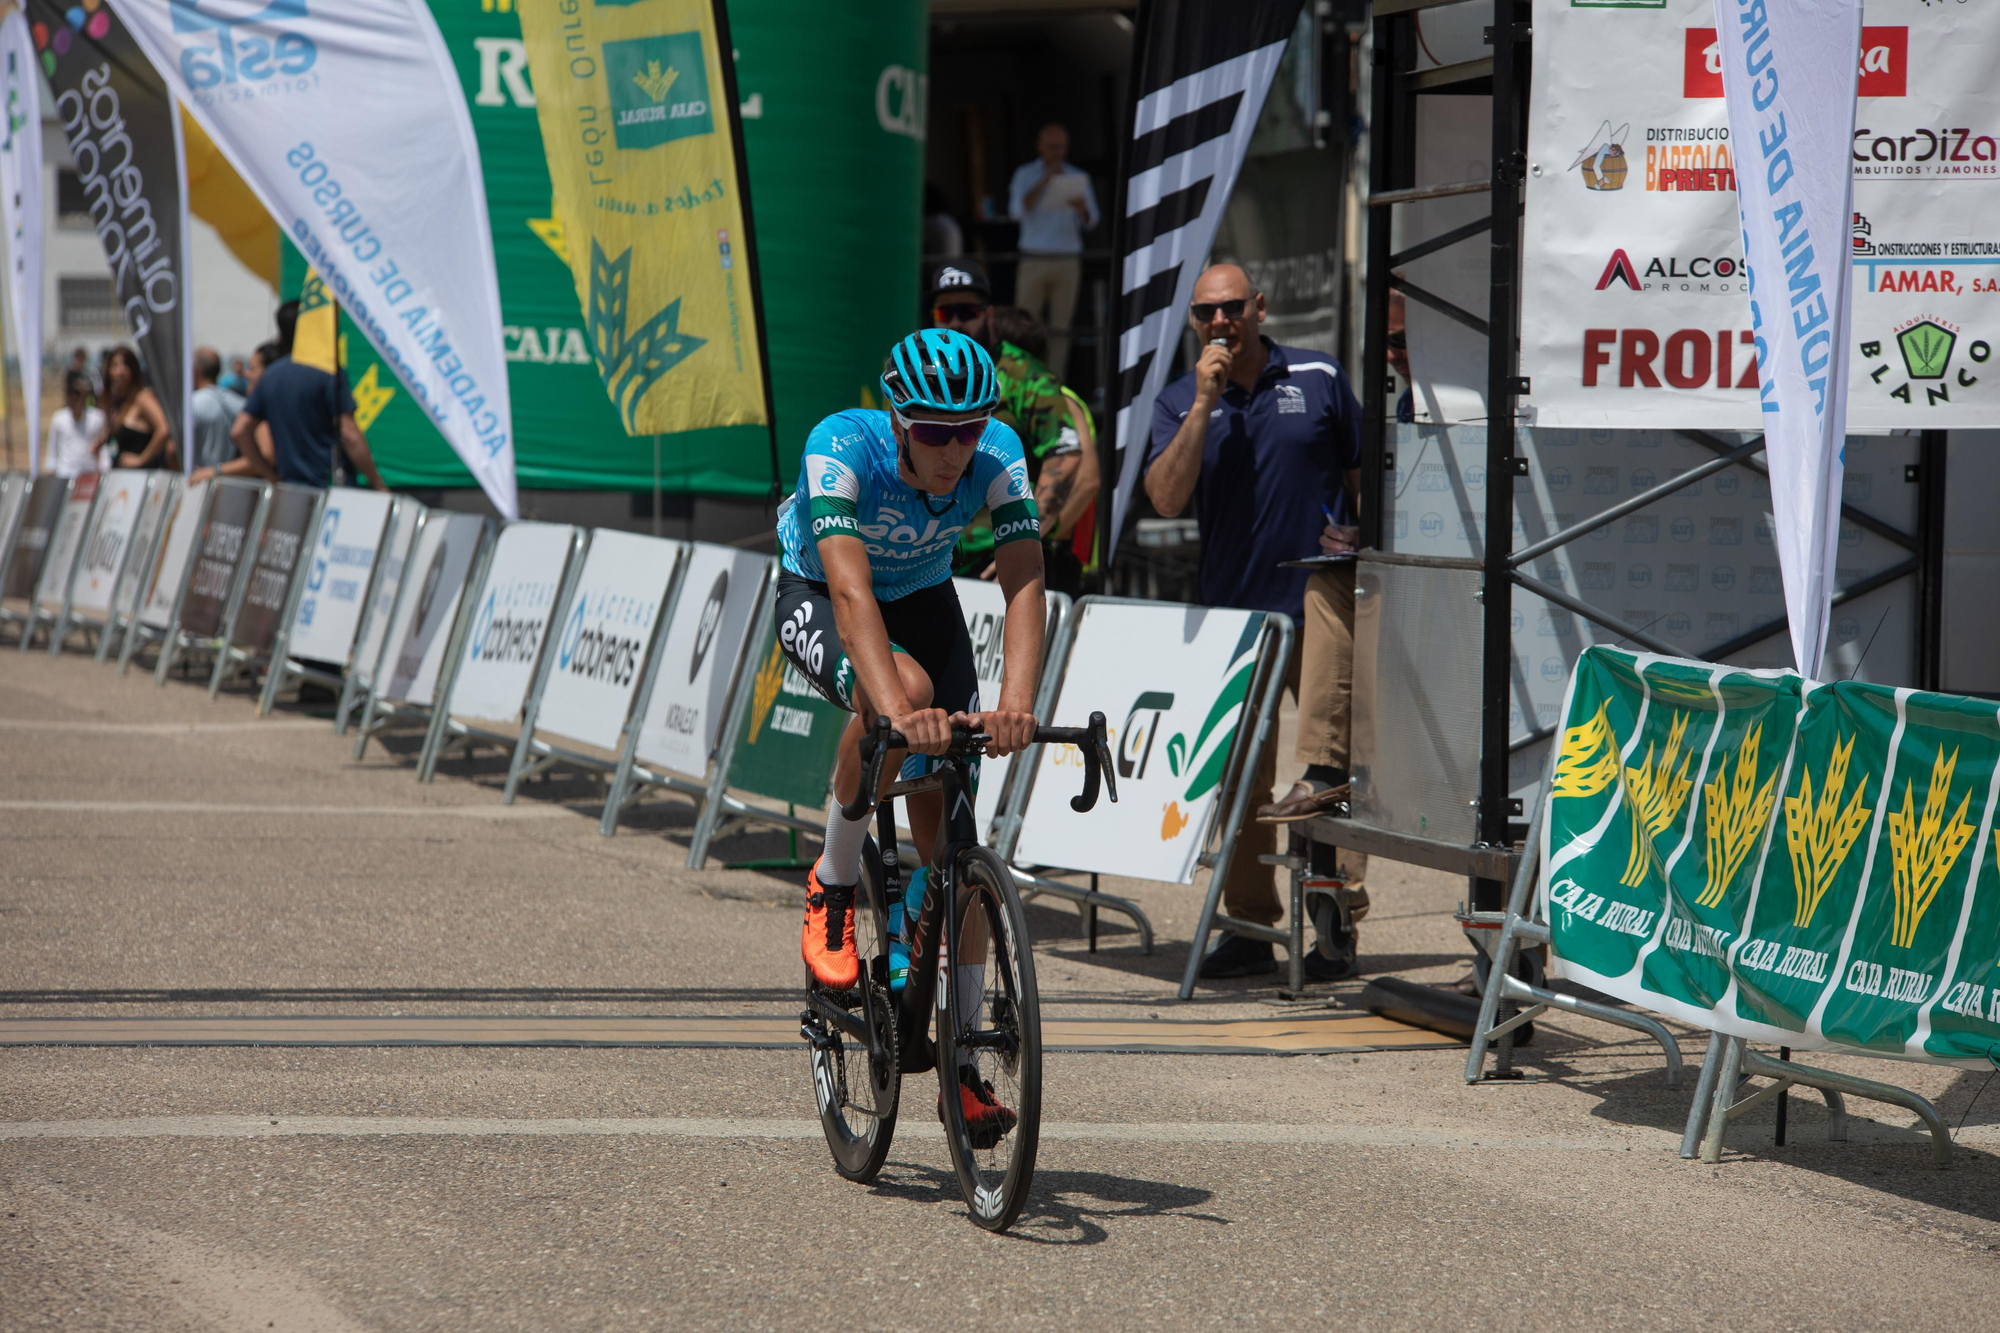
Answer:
x=827 y=942
x=986 y=1120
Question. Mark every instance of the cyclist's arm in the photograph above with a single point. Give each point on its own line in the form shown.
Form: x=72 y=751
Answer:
x=1010 y=722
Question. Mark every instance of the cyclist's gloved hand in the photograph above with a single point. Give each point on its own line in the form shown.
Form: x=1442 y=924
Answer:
x=1011 y=732
x=927 y=730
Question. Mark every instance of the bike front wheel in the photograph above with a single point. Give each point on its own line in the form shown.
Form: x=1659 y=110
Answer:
x=857 y=1092
x=990 y=1042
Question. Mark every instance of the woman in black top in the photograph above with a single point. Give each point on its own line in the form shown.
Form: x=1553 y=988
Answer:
x=134 y=422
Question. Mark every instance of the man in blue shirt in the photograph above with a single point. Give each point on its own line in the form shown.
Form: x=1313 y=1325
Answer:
x=310 y=413
x=1055 y=205
x=1267 y=442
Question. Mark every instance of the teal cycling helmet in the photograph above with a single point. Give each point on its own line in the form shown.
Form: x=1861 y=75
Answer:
x=940 y=370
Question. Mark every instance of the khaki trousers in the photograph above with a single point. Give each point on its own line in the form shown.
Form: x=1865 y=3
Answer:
x=1045 y=286
x=1321 y=677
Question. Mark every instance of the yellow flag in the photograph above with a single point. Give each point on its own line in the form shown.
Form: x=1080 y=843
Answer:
x=635 y=116
x=313 y=337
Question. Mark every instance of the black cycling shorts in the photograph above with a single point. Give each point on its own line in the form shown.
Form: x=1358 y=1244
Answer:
x=927 y=625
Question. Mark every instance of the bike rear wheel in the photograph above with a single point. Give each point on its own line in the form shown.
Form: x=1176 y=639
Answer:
x=858 y=1094
x=999 y=1037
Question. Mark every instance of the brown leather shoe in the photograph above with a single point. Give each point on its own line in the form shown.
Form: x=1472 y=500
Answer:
x=1302 y=803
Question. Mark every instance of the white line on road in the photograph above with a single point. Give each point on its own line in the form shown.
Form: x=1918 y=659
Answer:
x=165 y=728
x=536 y=811
x=261 y=1127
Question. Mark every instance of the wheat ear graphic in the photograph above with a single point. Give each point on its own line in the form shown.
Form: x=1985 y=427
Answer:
x=1923 y=848
x=1656 y=791
x=1820 y=833
x=1737 y=810
x=1587 y=763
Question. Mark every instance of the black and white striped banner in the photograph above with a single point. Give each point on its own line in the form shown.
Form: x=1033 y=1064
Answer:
x=1200 y=70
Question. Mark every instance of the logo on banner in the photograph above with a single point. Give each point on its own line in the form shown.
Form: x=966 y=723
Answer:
x=1702 y=270
x=1885 y=63
x=633 y=363
x=597 y=653
x=237 y=41
x=711 y=619
x=1924 y=349
x=1602 y=161
x=659 y=89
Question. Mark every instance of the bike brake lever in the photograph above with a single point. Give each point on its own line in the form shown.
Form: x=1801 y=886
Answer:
x=1101 y=742
x=1095 y=763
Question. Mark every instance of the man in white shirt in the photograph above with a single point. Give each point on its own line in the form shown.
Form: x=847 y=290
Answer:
x=1055 y=205
x=69 y=448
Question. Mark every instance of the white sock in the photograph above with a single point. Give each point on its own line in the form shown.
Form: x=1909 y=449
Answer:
x=840 y=859
x=971 y=982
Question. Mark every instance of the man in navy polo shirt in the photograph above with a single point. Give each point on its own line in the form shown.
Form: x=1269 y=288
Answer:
x=1267 y=442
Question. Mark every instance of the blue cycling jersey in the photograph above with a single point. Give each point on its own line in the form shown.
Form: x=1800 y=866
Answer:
x=848 y=483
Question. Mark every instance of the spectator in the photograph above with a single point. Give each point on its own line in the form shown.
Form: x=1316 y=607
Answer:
x=262 y=359
x=79 y=364
x=1054 y=429
x=215 y=408
x=135 y=424
x=1267 y=441
x=74 y=431
x=310 y=413
x=1067 y=483
x=235 y=380
x=942 y=237
x=1055 y=205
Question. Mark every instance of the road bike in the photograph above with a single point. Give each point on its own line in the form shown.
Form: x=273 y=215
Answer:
x=864 y=1040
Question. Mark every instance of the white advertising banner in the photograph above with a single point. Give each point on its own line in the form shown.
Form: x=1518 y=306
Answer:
x=1789 y=69
x=170 y=570
x=603 y=644
x=65 y=542
x=985 y=608
x=1171 y=682
x=512 y=621
x=1635 y=302
x=21 y=213
x=343 y=555
x=395 y=555
x=124 y=498
x=349 y=124
x=698 y=655
x=417 y=641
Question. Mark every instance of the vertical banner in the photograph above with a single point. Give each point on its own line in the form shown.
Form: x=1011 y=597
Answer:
x=21 y=212
x=125 y=140
x=1199 y=75
x=350 y=125
x=640 y=124
x=1789 y=73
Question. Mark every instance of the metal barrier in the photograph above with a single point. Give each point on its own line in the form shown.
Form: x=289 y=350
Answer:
x=49 y=608
x=465 y=723
x=582 y=715
x=451 y=551
x=125 y=501
x=636 y=773
x=318 y=633
x=371 y=637
x=271 y=586
x=157 y=602
x=142 y=554
x=27 y=545
x=217 y=571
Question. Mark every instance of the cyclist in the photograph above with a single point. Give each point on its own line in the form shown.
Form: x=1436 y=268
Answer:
x=867 y=613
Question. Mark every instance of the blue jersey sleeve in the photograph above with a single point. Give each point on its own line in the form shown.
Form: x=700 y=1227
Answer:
x=1002 y=480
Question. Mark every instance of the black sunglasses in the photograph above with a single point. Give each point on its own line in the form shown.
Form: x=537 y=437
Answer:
x=1204 y=312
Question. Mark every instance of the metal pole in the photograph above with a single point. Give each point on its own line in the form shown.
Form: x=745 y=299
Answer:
x=1929 y=654
x=657 y=502
x=1501 y=390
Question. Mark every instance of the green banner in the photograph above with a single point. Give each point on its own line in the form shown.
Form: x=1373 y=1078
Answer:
x=833 y=130
x=1807 y=864
x=790 y=735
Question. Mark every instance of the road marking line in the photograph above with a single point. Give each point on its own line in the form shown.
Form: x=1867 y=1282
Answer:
x=687 y=1127
x=536 y=811
x=165 y=728
x=1321 y=1035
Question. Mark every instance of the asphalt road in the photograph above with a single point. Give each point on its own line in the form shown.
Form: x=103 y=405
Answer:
x=153 y=845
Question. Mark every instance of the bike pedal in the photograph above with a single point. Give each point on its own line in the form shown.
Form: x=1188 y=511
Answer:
x=810 y=1029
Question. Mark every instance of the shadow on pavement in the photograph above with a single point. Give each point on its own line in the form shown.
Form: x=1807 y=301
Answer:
x=1064 y=1207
